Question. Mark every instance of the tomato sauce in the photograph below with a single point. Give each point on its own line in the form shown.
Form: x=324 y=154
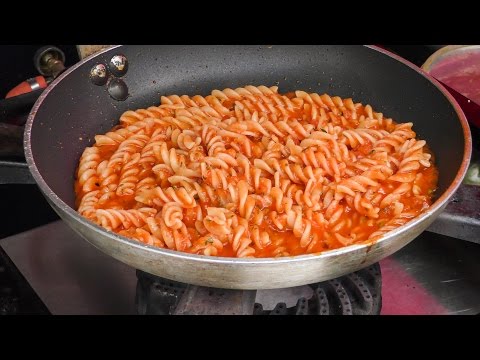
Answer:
x=359 y=227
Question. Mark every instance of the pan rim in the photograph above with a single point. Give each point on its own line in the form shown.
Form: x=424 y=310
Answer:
x=436 y=206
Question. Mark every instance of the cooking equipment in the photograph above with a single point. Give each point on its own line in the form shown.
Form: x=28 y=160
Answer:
x=49 y=62
x=434 y=274
x=73 y=109
x=358 y=293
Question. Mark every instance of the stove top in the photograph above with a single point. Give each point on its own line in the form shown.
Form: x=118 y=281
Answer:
x=359 y=293
x=16 y=296
x=434 y=274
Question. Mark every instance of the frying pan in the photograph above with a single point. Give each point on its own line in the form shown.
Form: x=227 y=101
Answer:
x=72 y=110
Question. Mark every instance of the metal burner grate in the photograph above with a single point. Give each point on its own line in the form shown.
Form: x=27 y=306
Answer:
x=358 y=293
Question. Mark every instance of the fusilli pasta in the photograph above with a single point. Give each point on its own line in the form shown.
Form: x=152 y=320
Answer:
x=249 y=172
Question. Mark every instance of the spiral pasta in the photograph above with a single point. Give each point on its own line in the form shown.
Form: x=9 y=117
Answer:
x=249 y=172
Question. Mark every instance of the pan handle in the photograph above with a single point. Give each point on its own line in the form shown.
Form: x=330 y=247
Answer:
x=20 y=105
x=13 y=169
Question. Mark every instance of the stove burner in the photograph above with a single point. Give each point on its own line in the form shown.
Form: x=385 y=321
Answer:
x=358 y=293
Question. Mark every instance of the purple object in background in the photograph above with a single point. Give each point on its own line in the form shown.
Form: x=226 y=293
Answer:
x=457 y=67
x=470 y=107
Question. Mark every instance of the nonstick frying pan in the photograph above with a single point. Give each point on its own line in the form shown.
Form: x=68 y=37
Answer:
x=72 y=110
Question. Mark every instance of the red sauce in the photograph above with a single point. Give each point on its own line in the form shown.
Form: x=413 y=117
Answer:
x=325 y=238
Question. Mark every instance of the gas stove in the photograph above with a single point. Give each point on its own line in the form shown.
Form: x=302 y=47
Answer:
x=358 y=293
x=46 y=268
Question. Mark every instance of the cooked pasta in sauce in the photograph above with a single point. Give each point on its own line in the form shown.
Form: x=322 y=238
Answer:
x=253 y=173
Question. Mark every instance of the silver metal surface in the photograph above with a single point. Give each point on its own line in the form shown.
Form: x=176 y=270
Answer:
x=461 y=218
x=234 y=273
x=34 y=85
x=118 y=65
x=434 y=274
x=99 y=74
